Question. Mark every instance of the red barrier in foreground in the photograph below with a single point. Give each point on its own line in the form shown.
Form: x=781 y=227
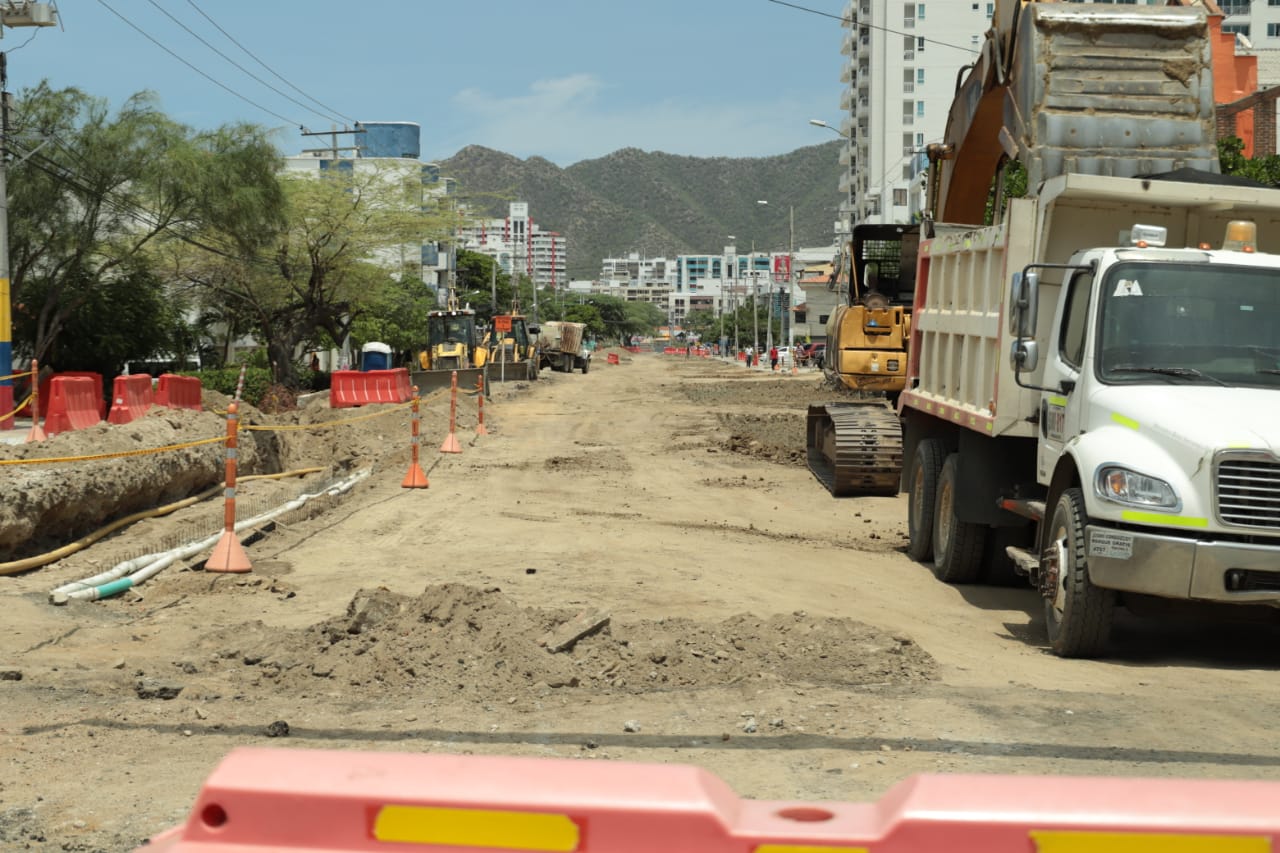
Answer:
x=361 y=387
x=632 y=349
x=72 y=404
x=260 y=800
x=179 y=392
x=612 y=358
x=131 y=398
x=6 y=407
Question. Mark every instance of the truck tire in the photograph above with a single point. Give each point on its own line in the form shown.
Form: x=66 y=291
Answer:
x=957 y=545
x=922 y=496
x=586 y=363
x=1078 y=617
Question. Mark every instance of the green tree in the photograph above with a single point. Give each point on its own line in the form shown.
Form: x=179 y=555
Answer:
x=85 y=209
x=346 y=235
x=1231 y=160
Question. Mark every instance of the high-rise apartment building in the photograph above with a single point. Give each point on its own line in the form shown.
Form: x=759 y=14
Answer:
x=901 y=64
x=519 y=245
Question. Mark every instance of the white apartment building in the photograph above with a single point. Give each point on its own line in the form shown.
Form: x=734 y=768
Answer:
x=636 y=268
x=519 y=245
x=902 y=60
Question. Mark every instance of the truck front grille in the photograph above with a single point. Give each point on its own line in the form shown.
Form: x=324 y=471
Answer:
x=1247 y=490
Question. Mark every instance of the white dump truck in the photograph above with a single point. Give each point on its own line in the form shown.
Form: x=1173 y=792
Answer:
x=561 y=346
x=1093 y=393
x=1111 y=413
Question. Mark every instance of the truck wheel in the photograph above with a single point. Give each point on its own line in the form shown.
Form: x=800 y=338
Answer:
x=957 y=545
x=1079 y=615
x=586 y=363
x=922 y=494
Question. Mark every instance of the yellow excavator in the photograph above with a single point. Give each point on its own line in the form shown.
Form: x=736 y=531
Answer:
x=512 y=346
x=854 y=446
x=452 y=345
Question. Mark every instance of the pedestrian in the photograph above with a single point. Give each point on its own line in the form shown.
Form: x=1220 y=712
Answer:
x=773 y=359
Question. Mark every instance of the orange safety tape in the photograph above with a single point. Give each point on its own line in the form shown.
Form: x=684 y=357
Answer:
x=118 y=455
x=21 y=406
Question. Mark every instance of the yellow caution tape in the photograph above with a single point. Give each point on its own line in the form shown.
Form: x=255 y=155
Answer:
x=118 y=455
x=21 y=406
x=16 y=375
x=288 y=427
x=476 y=828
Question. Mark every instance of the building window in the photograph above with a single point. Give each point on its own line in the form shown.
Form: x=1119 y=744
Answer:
x=991 y=9
x=920 y=43
x=1236 y=29
x=920 y=76
x=899 y=198
x=919 y=140
x=801 y=317
x=920 y=11
x=1234 y=7
x=919 y=109
x=1273 y=30
x=822 y=318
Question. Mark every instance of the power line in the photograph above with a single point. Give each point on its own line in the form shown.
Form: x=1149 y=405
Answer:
x=277 y=75
x=215 y=82
x=855 y=22
x=201 y=39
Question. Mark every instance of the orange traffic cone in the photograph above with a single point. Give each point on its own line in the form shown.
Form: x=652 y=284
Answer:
x=451 y=440
x=228 y=554
x=416 y=478
x=36 y=433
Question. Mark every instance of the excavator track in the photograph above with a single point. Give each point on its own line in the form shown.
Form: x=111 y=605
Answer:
x=855 y=448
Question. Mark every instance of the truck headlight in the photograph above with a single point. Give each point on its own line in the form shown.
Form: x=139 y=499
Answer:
x=1129 y=487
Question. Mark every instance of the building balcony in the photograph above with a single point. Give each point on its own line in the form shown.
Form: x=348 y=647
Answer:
x=846 y=100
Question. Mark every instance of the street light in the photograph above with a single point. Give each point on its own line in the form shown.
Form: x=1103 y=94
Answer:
x=736 y=271
x=817 y=122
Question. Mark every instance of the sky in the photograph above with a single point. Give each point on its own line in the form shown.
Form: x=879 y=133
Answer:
x=566 y=80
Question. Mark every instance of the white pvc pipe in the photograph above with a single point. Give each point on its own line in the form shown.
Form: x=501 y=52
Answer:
x=130 y=573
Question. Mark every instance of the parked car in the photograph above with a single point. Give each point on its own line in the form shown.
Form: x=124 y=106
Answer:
x=812 y=353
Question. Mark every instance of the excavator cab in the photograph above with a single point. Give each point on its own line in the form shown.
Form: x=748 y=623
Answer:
x=510 y=344
x=452 y=347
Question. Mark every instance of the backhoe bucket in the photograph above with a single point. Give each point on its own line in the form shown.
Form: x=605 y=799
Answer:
x=429 y=381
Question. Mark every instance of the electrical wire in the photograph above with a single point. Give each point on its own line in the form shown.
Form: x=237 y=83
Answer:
x=203 y=74
x=201 y=39
x=856 y=23
x=30 y=38
x=275 y=73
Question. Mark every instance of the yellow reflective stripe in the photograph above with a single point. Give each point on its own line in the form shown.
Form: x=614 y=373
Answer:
x=1057 y=401
x=1146 y=842
x=1161 y=518
x=1123 y=421
x=476 y=828
x=799 y=848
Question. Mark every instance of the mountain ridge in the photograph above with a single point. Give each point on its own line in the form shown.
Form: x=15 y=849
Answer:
x=660 y=204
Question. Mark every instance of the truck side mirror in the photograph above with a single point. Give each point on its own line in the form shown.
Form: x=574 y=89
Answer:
x=1024 y=302
x=535 y=330
x=1024 y=355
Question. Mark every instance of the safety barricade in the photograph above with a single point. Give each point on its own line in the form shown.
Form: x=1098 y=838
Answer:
x=6 y=407
x=632 y=349
x=45 y=396
x=349 y=388
x=130 y=399
x=742 y=356
x=302 y=800
x=72 y=404
x=179 y=392
x=612 y=358
x=668 y=350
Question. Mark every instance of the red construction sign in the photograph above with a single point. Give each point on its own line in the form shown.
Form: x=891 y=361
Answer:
x=502 y=322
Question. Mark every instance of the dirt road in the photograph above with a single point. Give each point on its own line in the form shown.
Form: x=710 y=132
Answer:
x=757 y=627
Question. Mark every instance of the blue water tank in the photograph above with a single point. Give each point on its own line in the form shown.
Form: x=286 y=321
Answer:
x=390 y=139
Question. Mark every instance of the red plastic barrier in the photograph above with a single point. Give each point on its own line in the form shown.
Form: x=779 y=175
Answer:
x=360 y=388
x=73 y=404
x=632 y=349
x=131 y=398
x=668 y=350
x=742 y=356
x=612 y=358
x=260 y=800
x=6 y=406
x=179 y=392
x=45 y=396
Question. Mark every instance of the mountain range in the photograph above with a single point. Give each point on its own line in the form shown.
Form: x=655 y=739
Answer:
x=660 y=204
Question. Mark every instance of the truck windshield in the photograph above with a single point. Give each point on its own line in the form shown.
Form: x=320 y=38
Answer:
x=1190 y=323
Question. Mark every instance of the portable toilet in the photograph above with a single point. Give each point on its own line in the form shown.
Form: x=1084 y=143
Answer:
x=375 y=355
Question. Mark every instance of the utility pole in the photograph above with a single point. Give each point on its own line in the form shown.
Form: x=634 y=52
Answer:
x=17 y=13
x=790 y=320
x=334 y=151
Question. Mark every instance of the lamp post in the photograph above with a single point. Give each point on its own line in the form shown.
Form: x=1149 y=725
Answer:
x=736 y=279
x=817 y=122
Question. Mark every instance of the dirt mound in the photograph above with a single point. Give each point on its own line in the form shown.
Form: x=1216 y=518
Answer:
x=777 y=437
x=479 y=645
